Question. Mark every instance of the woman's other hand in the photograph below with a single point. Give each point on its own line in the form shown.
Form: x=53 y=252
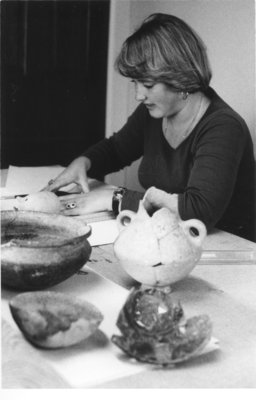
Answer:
x=76 y=173
x=99 y=199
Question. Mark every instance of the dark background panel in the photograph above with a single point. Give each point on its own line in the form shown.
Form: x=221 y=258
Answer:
x=53 y=79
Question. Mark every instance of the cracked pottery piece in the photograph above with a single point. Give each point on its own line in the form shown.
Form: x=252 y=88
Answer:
x=154 y=329
x=54 y=320
x=154 y=245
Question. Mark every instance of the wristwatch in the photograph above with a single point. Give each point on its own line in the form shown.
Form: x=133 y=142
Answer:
x=117 y=199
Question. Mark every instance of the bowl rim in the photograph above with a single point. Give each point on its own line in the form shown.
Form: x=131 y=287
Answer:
x=28 y=244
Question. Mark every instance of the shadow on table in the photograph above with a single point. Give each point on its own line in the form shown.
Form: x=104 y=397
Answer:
x=191 y=285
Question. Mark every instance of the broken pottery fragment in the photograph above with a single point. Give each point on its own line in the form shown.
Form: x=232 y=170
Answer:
x=154 y=329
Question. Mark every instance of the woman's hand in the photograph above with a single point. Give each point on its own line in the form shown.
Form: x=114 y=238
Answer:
x=99 y=199
x=76 y=172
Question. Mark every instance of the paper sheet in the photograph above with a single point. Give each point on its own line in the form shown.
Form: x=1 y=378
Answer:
x=103 y=232
x=24 y=180
x=95 y=360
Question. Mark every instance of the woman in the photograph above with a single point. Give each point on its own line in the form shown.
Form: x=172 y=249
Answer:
x=193 y=145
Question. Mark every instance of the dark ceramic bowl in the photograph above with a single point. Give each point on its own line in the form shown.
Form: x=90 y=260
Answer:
x=39 y=250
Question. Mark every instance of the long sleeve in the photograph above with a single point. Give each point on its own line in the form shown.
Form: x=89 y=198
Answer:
x=121 y=149
x=219 y=153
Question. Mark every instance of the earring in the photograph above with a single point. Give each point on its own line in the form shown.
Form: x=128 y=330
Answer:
x=184 y=95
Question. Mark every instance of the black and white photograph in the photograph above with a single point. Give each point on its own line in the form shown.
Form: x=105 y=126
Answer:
x=128 y=196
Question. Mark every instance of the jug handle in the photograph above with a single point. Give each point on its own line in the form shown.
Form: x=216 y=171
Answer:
x=124 y=218
x=199 y=226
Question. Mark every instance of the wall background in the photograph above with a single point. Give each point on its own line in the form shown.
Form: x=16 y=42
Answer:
x=228 y=30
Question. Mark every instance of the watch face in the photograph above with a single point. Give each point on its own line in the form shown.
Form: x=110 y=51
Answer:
x=117 y=198
x=120 y=191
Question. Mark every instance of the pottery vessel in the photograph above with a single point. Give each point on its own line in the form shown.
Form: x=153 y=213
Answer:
x=53 y=320
x=39 y=250
x=158 y=249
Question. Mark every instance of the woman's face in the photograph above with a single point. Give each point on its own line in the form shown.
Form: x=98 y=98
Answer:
x=158 y=98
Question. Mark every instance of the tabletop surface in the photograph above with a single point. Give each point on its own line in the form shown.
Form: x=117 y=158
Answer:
x=225 y=291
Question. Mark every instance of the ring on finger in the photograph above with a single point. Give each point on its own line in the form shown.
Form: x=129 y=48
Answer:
x=71 y=205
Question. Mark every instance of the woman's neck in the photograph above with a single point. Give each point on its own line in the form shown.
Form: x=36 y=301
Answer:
x=189 y=109
x=178 y=127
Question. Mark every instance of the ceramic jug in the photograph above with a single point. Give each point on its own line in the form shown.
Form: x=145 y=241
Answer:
x=158 y=249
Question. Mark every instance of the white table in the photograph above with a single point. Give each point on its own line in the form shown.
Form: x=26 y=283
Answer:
x=226 y=292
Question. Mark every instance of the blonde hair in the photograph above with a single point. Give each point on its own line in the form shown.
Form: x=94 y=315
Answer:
x=165 y=49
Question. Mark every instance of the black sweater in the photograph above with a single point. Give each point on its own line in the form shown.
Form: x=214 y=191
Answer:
x=212 y=171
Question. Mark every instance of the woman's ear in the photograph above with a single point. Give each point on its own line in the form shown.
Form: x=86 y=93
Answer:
x=184 y=95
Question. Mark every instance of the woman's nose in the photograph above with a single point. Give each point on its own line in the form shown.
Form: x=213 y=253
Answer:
x=140 y=92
